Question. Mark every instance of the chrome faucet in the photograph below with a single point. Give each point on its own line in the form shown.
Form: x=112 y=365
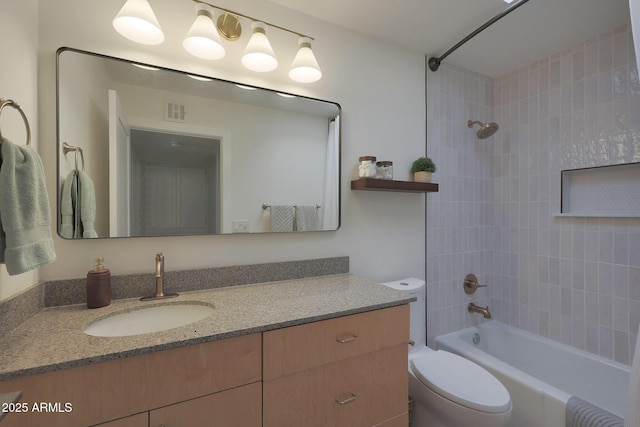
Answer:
x=159 y=275
x=472 y=308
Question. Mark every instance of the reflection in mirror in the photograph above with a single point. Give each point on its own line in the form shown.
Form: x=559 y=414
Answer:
x=167 y=153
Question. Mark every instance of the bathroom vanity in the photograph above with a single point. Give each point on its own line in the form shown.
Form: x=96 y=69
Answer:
x=324 y=351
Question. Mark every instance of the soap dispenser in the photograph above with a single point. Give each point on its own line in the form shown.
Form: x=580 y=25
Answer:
x=98 y=285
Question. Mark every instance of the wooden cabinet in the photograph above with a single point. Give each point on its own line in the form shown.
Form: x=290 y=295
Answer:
x=239 y=407
x=346 y=371
x=401 y=421
x=349 y=371
x=138 y=420
x=119 y=388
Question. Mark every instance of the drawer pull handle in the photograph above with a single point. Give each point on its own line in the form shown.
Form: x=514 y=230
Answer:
x=347 y=400
x=348 y=339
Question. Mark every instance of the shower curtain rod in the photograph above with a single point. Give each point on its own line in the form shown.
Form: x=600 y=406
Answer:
x=434 y=62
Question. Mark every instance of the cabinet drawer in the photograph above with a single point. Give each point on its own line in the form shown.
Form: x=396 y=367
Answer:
x=239 y=407
x=372 y=388
x=139 y=420
x=400 y=421
x=290 y=350
x=118 y=388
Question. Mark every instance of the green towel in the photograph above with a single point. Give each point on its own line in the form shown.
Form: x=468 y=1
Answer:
x=77 y=207
x=25 y=219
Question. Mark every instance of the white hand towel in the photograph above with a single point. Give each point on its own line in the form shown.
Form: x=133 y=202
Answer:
x=632 y=415
x=306 y=218
x=282 y=217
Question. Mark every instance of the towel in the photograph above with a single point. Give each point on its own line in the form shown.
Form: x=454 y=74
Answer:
x=25 y=219
x=634 y=12
x=632 y=415
x=306 y=218
x=580 y=413
x=282 y=217
x=78 y=207
x=67 y=205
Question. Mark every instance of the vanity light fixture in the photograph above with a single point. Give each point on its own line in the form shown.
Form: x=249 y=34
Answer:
x=246 y=87
x=136 y=21
x=203 y=40
x=258 y=55
x=200 y=78
x=145 y=67
x=305 y=68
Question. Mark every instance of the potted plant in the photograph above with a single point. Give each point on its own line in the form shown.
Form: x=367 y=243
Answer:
x=422 y=169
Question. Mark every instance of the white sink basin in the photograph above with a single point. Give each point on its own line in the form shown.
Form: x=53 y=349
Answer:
x=145 y=320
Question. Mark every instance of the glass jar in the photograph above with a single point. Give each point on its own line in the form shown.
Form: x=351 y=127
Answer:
x=367 y=168
x=384 y=170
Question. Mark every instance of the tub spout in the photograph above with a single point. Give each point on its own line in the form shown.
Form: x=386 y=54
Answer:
x=472 y=308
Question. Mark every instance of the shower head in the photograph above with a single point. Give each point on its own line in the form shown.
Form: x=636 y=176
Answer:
x=486 y=130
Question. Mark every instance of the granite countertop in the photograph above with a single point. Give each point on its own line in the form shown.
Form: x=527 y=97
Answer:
x=54 y=339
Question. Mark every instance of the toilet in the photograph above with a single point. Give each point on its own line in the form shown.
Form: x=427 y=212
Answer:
x=448 y=390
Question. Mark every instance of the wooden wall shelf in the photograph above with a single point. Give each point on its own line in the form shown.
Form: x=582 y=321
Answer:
x=373 y=184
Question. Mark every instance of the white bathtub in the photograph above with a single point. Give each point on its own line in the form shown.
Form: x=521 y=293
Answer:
x=541 y=374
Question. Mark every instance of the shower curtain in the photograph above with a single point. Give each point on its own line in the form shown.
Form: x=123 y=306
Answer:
x=330 y=201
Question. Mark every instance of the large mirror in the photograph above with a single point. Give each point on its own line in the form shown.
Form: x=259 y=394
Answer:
x=147 y=151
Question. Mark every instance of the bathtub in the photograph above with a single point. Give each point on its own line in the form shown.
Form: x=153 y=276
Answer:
x=540 y=374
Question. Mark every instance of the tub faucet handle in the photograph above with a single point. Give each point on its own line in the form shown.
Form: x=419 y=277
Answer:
x=471 y=283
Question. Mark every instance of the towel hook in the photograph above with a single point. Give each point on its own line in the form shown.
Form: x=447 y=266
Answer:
x=11 y=102
x=66 y=148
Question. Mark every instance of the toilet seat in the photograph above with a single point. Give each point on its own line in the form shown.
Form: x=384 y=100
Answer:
x=461 y=381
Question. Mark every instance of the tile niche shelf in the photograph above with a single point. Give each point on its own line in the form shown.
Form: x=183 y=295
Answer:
x=373 y=184
x=601 y=192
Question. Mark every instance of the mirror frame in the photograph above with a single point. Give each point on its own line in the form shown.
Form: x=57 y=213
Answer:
x=60 y=143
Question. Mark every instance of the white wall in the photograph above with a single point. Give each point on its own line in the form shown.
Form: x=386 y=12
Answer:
x=381 y=90
x=18 y=81
x=256 y=154
x=89 y=130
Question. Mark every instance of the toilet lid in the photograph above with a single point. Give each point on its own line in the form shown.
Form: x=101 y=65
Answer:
x=461 y=381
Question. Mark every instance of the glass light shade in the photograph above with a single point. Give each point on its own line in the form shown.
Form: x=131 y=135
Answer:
x=203 y=40
x=258 y=55
x=305 y=68
x=137 y=22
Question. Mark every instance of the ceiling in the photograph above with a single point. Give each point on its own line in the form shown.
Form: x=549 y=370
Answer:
x=537 y=29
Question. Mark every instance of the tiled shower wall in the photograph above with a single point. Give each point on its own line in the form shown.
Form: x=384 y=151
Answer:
x=575 y=280
x=460 y=216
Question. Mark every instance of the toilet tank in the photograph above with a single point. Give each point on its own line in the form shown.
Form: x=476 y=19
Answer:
x=414 y=287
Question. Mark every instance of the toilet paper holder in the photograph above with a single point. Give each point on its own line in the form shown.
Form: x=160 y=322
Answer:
x=470 y=283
